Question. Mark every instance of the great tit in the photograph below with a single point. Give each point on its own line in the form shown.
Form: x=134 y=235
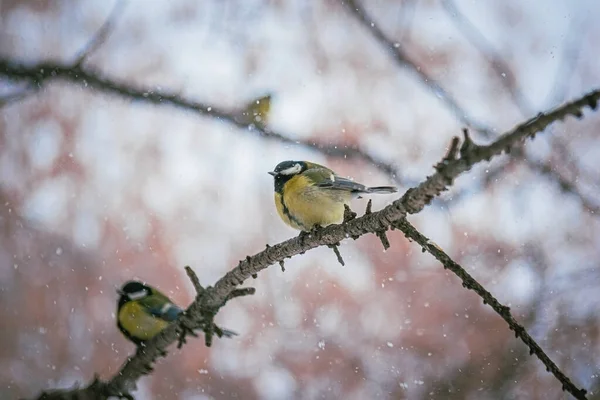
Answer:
x=143 y=312
x=308 y=194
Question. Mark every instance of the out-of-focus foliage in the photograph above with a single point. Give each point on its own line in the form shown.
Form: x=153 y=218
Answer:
x=95 y=190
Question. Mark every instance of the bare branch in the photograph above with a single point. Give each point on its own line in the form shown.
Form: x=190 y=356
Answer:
x=336 y=250
x=503 y=311
x=493 y=57
x=206 y=306
x=195 y=281
x=44 y=72
x=401 y=57
x=102 y=34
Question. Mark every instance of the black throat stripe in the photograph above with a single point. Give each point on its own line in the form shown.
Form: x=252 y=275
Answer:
x=288 y=214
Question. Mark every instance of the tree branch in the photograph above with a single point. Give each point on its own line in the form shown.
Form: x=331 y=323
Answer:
x=102 y=34
x=509 y=81
x=44 y=72
x=492 y=56
x=400 y=56
x=503 y=311
x=208 y=301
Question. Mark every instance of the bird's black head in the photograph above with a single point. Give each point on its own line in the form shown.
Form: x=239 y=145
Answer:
x=133 y=290
x=286 y=170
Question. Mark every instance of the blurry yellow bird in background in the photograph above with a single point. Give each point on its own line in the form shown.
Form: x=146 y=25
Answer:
x=256 y=112
x=308 y=194
x=143 y=312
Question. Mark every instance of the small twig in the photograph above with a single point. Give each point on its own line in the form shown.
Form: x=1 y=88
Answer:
x=452 y=153
x=101 y=35
x=282 y=265
x=336 y=250
x=384 y=239
x=398 y=53
x=468 y=145
x=369 y=210
x=247 y=291
x=503 y=71
x=195 y=281
x=349 y=215
x=382 y=233
x=503 y=311
x=184 y=331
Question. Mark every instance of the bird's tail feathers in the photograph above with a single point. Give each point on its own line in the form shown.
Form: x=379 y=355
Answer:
x=382 y=189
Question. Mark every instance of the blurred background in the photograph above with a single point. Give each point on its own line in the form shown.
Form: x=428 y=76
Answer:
x=97 y=189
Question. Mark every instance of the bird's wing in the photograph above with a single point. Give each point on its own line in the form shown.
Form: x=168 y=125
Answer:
x=161 y=307
x=329 y=180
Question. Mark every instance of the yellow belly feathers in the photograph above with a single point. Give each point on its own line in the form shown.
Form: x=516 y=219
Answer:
x=303 y=205
x=138 y=323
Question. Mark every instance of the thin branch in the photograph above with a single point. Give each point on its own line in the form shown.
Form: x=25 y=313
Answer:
x=102 y=34
x=503 y=311
x=413 y=201
x=336 y=251
x=195 y=281
x=493 y=57
x=401 y=57
x=45 y=72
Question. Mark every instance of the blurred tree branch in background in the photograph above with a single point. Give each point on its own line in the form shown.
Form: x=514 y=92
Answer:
x=200 y=314
x=44 y=72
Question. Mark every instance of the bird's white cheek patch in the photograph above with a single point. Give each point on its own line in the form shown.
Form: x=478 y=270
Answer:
x=292 y=170
x=332 y=177
x=137 y=295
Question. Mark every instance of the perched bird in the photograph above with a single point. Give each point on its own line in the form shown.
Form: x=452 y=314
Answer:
x=143 y=312
x=308 y=194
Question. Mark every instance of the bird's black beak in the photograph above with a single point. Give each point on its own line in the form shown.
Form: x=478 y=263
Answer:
x=272 y=173
x=120 y=292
